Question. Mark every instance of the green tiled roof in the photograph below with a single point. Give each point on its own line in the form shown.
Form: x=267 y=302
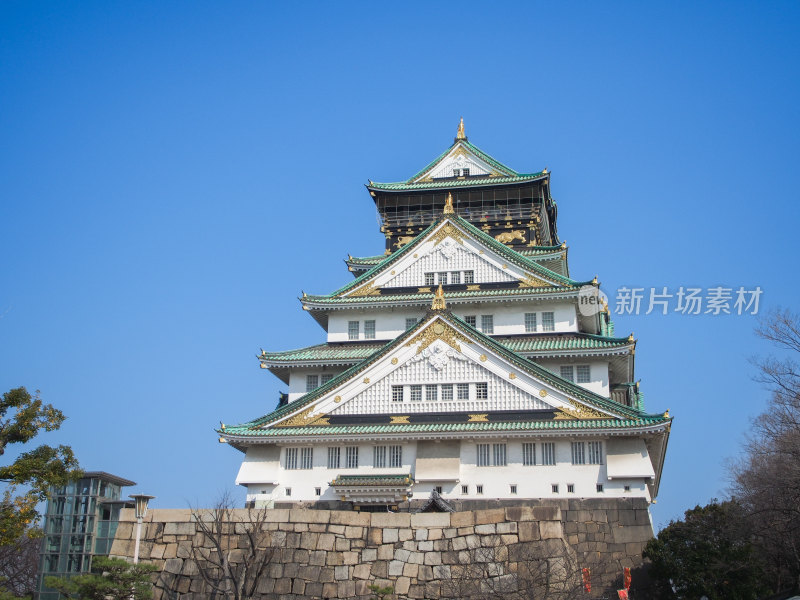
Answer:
x=527 y=252
x=427 y=297
x=528 y=344
x=568 y=387
x=503 y=250
x=374 y=480
x=545 y=425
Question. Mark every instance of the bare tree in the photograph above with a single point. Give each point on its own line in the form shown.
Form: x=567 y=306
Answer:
x=231 y=550
x=541 y=570
x=18 y=564
x=767 y=480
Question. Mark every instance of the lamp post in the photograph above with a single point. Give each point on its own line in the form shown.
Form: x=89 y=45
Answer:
x=141 y=501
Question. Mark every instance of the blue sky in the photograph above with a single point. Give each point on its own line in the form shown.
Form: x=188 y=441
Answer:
x=173 y=175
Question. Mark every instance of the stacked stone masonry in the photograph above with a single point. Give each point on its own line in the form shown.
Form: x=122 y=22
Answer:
x=339 y=554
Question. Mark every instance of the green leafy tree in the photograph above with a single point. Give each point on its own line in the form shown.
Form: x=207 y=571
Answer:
x=22 y=417
x=110 y=579
x=709 y=553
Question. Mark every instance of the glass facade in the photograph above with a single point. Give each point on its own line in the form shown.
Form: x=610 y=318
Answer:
x=80 y=521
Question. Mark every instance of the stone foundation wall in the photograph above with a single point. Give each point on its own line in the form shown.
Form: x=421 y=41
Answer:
x=339 y=554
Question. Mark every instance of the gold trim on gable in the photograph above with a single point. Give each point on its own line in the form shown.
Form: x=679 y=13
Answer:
x=437 y=331
x=303 y=419
x=448 y=230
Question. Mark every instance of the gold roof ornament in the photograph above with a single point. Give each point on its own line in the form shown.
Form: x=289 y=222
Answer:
x=448 y=205
x=460 y=135
x=594 y=281
x=630 y=337
x=438 y=300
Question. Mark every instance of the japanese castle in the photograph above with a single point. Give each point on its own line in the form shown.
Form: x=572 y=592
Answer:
x=462 y=365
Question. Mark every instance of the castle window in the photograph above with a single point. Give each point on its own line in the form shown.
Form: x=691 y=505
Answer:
x=463 y=391
x=351 y=456
x=411 y=321
x=326 y=377
x=595 y=453
x=465 y=172
x=429 y=279
x=469 y=276
x=530 y=322
x=312 y=382
x=369 y=330
x=334 y=456
x=499 y=452
x=548 y=321
x=549 y=453
x=430 y=393
x=567 y=373
x=471 y=320
x=479 y=489
x=306 y=458
x=397 y=393
x=438 y=489
x=578 y=453
x=379 y=457
x=487 y=324
x=583 y=374
x=416 y=393
x=455 y=277
x=447 y=391
x=528 y=454
x=465 y=489
x=288 y=491
x=456 y=172
x=443 y=278
x=555 y=488
x=395 y=457
x=290 y=458
x=482 y=390
x=483 y=455
x=513 y=488
x=318 y=491
x=627 y=488
x=570 y=488
x=352 y=330
x=599 y=488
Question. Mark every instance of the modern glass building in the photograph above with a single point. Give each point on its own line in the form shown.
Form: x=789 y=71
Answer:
x=80 y=522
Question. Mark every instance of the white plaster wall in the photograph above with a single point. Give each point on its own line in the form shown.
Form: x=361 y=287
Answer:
x=532 y=481
x=297 y=379
x=450 y=256
x=508 y=320
x=598 y=370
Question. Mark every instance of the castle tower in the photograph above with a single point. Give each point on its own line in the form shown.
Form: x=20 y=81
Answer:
x=462 y=363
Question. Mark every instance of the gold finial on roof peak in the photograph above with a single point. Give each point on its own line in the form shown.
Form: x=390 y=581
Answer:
x=438 y=299
x=460 y=135
x=448 y=205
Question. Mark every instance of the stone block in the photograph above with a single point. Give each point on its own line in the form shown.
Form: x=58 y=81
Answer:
x=298 y=587
x=341 y=573
x=529 y=531
x=425 y=573
x=330 y=590
x=385 y=551
x=450 y=532
x=173 y=565
x=301 y=556
x=276 y=515
x=390 y=535
x=462 y=519
x=402 y=554
x=430 y=520
x=308 y=540
x=435 y=533
x=410 y=570
x=300 y=527
x=352 y=532
x=441 y=572
x=361 y=571
x=353 y=518
x=318 y=528
x=396 y=568
x=313 y=590
x=310 y=573
x=405 y=534
x=416 y=591
x=485 y=529
x=291 y=570
x=157 y=551
x=507 y=527
x=425 y=546
x=492 y=515
x=550 y=529
x=369 y=554
x=433 y=558
x=459 y=543
x=375 y=536
x=380 y=568
x=326 y=574
x=519 y=513
x=333 y=559
x=466 y=530
x=416 y=558
x=342 y=544
x=546 y=513
x=627 y=535
x=303 y=515
x=347 y=589
x=402 y=585
x=337 y=529
x=350 y=558
x=179 y=529
x=385 y=519
x=325 y=541
x=421 y=534
x=318 y=558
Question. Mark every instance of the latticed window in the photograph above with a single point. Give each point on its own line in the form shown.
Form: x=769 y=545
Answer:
x=530 y=322
x=513 y=488
x=471 y=320
x=455 y=277
x=429 y=279
x=395 y=457
x=410 y=322
x=483 y=455
x=379 y=457
x=567 y=372
x=352 y=330
x=548 y=453
x=487 y=324
x=469 y=276
x=583 y=374
x=312 y=382
x=416 y=393
x=528 y=454
x=334 y=457
x=482 y=390
x=578 y=453
x=548 y=321
x=351 y=457
x=595 y=453
x=479 y=489
x=290 y=458
x=499 y=455
x=463 y=391
x=306 y=458
x=447 y=391
x=326 y=377
x=397 y=393
x=430 y=393
x=369 y=330
x=443 y=277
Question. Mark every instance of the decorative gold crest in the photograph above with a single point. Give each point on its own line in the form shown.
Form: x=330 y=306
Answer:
x=483 y=358
x=304 y=418
x=481 y=418
x=399 y=420
x=366 y=379
x=367 y=290
x=394 y=360
x=580 y=411
x=337 y=399
x=437 y=331
x=512 y=375
x=448 y=230
x=543 y=393
x=531 y=281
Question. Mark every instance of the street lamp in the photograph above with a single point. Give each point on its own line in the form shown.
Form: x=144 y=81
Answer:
x=141 y=501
